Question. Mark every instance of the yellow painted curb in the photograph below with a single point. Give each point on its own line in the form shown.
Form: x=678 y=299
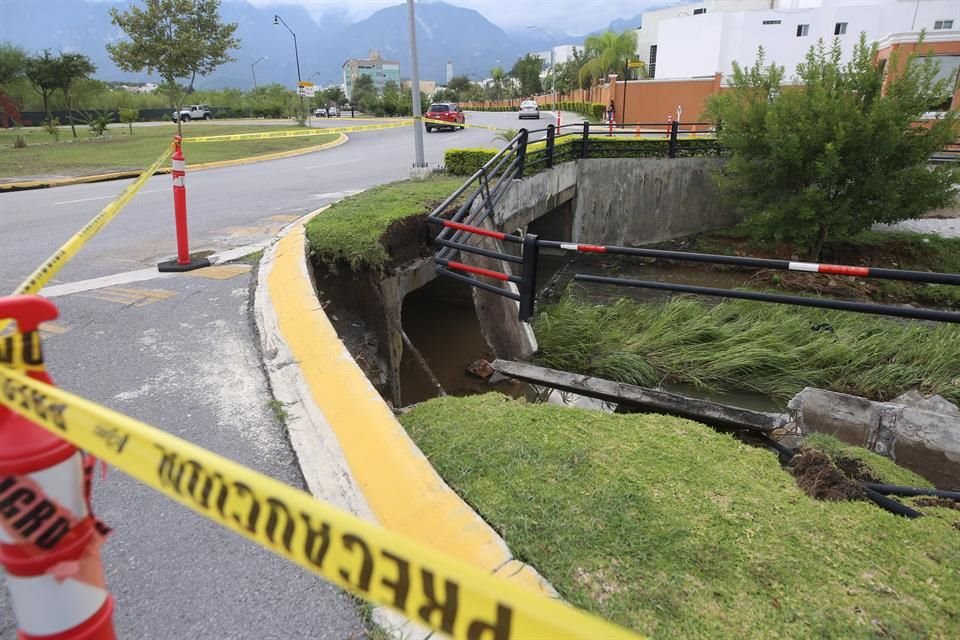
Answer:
x=401 y=487
x=119 y=175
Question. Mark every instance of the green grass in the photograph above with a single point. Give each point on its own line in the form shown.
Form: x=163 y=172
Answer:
x=878 y=465
x=669 y=528
x=747 y=346
x=350 y=231
x=118 y=150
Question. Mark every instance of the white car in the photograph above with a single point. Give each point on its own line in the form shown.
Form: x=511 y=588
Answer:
x=529 y=109
x=193 y=112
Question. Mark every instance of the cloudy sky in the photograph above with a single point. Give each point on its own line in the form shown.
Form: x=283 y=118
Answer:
x=570 y=16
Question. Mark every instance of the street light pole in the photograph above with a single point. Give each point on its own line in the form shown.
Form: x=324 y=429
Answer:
x=278 y=20
x=415 y=90
x=254 y=72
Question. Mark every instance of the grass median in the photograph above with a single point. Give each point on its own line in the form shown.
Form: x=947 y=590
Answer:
x=351 y=231
x=669 y=528
x=120 y=151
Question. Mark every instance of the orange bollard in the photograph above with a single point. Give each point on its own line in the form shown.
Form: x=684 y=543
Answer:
x=179 y=173
x=49 y=539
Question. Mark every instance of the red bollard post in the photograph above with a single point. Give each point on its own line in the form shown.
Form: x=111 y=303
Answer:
x=558 y=119
x=179 y=173
x=49 y=539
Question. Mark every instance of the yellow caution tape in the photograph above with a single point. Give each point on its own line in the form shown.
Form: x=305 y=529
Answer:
x=377 y=565
x=36 y=280
x=297 y=133
x=22 y=351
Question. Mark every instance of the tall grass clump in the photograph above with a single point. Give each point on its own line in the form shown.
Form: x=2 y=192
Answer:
x=771 y=349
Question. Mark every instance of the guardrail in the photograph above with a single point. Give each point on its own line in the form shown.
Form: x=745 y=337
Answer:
x=531 y=150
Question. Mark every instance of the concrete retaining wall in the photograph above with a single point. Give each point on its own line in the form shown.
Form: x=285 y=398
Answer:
x=645 y=200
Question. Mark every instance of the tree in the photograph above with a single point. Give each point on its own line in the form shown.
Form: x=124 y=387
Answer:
x=607 y=53
x=527 y=71
x=497 y=75
x=69 y=68
x=459 y=85
x=363 y=93
x=176 y=39
x=836 y=154
x=13 y=64
x=334 y=95
x=41 y=71
x=391 y=98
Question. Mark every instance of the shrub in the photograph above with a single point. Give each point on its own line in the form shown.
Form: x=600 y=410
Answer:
x=465 y=162
x=52 y=126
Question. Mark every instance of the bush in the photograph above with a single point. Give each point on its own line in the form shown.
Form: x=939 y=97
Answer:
x=465 y=162
x=52 y=126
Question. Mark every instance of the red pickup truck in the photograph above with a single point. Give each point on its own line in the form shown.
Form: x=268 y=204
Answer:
x=447 y=112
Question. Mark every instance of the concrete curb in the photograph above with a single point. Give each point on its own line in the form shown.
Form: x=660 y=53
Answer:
x=119 y=175
x=351 y=449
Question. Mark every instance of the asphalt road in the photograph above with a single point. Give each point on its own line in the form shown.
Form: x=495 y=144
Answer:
x=181 y=353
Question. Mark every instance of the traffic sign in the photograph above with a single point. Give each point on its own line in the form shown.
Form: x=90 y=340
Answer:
x=305 y=83
x=634 y=64
x=307 y=92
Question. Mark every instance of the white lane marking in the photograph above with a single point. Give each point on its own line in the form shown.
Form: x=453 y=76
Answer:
x=103 y=197
x=333 y=164
x=141 y=275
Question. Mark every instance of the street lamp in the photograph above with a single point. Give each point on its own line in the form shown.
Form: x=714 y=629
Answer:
x=553 y=67
x=276 y=21
x=254 y=72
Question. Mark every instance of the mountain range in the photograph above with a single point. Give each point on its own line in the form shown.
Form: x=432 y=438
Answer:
x=444 y=32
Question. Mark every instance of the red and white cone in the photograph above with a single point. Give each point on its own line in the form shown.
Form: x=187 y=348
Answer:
x=49 y=541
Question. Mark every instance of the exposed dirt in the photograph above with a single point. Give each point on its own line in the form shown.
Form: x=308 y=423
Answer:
x=601 y=584
x=820 y=478
x=931 y=501
x=856 y=469
x=408 y=239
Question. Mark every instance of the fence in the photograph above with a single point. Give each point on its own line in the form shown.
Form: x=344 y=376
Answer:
x=523 y=156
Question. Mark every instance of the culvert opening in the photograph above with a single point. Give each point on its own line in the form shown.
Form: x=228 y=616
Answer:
x=441 y=322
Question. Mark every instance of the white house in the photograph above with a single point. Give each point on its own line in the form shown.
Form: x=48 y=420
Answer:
x=708 y=43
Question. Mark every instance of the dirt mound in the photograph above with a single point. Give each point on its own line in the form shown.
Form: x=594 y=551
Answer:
x=820 y=478
x=857 y=470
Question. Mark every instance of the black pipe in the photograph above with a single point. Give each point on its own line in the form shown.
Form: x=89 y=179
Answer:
x=897 y=490
x=785 y=453
x=859 y=307
x=892 y=506
x=479 y=251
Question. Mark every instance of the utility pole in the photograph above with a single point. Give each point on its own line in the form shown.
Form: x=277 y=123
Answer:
x=277 y=20
x=418 y=163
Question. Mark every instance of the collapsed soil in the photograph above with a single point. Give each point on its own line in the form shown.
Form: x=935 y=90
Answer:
x=820 y=478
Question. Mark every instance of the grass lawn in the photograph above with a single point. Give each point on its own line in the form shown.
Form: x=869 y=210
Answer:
x=351 y=230
x=667 y=527
x=118 y=150
x=749 y=346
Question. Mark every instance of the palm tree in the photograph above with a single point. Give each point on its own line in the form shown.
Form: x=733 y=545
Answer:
x=497 y=75
x=608 y=52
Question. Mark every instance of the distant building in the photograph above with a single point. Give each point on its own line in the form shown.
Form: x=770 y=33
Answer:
x=382 y=71
x=428 y=87
x=147 y=87
x=449 y=71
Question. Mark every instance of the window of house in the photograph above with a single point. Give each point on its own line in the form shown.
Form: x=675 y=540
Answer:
x=771 y=22
x=698 y=12
x=803 y=30
x=840 y=28
x=653 y=61
x=943 y=24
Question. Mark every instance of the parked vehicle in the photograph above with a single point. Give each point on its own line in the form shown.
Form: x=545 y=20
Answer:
x=447 y=112
x=529 y=109
x=320 y=113
x=193 y=112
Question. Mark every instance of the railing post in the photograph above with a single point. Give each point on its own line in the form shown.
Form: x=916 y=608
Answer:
x=584 y=153
x=674 y=129
x=551 y=135
x=522 y=152
x=528 y=277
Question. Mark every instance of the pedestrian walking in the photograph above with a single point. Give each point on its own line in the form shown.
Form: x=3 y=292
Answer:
x=611 y=112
